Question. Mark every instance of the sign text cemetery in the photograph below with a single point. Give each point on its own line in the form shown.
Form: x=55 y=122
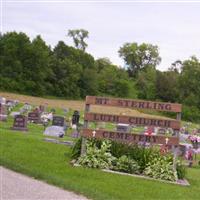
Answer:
x=132 y=138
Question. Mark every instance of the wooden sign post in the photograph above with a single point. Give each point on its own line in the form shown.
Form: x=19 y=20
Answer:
x=132 y=120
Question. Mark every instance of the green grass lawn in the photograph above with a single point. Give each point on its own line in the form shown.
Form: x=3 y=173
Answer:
x=28 y=153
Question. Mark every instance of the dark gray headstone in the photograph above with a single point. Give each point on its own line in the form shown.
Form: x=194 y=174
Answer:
x=34 y=117
x=58 y=121
x=20 y=123
x=75 y=117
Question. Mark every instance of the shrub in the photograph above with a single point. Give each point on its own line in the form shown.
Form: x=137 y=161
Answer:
x=76 y=149
x=140 y=154
x=97 y=157
x=126 y=164
x=161 y=168
x=181 y=170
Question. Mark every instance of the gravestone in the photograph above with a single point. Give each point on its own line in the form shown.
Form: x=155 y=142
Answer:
x=75 y=118
x=126 y=128
x=3 y=112
x=20 y=123
x=58 y=121
x=27 y=107
x=2 y=100
x=56 y=131
x=58 y=127
x=34 y=117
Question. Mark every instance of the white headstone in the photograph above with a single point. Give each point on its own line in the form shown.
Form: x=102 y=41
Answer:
x=55 y=131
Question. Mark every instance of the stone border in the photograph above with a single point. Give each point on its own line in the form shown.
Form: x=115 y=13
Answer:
x=68 y=143
x=183 y=182
x=180 y=182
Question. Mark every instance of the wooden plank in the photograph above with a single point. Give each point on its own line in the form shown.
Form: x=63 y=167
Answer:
x=141 y=121
x=134 y=103
x=128 y=137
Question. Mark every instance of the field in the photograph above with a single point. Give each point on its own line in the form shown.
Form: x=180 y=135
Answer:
x=75 y=105
x=28 y=153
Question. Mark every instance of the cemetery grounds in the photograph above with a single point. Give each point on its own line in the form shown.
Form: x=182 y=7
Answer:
x=29 y=154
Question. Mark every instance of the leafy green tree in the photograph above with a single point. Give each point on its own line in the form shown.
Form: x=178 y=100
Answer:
x=78 y=36
x=167 y=86
x=189 y=82
x=138 y=57
x=37 y=66
x=146 y=83
x=66 y=75
x=14 y=52
x=115 y=82
x=101 y=63
x=88 y=83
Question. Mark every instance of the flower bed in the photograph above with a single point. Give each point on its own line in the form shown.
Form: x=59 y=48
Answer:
x=145 y=162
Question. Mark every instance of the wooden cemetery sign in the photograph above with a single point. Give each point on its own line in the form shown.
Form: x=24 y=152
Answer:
x=34 y=117
x=131 y=120
x=58 y=121
x=167 y=123
x=20 y=123
x=129 y=138
x=134 y=104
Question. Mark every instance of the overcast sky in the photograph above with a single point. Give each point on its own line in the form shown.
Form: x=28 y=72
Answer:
x=174 y=27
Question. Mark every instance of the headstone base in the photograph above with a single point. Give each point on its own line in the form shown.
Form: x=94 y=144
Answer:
x=19 y=129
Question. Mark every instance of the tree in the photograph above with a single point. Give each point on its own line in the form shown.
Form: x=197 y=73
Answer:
x=101 y=63
x=78 y=36
x=138 y=57
x=167 y=85
x=146 y=83
x=189 y=82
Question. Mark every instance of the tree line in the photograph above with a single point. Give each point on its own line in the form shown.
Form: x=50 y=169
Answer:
x=32 y=67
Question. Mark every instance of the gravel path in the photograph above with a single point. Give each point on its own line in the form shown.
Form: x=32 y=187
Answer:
x=17 y=186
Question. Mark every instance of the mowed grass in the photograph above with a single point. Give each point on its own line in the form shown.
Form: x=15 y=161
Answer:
x=28 y=153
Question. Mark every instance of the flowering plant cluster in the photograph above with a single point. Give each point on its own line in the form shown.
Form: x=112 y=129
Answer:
x=194 y=138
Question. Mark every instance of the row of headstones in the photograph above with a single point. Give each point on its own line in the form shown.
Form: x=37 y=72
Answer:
x=56 y=129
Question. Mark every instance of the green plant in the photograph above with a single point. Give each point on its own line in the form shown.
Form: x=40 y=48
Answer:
x=76 y=149
x=181 y=170
x=161 y=168
x=97 y=157
x=126 y=164
x=140 y=154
